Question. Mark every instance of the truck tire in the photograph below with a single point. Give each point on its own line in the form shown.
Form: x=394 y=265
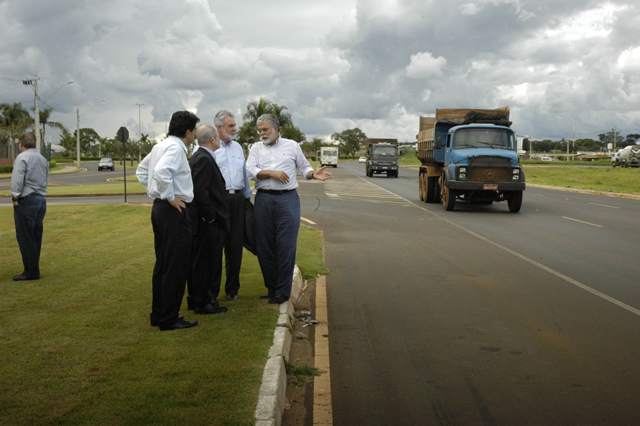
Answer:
x=515 y=201
x=448 y=197
x=431 y=189
x=421 y=187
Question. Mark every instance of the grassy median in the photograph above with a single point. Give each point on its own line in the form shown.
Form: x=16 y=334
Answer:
x=77 y=348
x=608 y=179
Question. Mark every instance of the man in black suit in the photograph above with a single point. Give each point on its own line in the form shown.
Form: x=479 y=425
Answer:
x=210 y=218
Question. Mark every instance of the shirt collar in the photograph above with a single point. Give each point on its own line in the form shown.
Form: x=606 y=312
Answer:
x=182 y=145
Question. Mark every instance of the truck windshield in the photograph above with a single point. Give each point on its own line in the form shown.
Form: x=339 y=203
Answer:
x=384 y=150
x=331 y=152
x=483 y=138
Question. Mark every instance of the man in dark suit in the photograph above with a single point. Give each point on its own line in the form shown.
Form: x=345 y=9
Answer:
x=210 y=218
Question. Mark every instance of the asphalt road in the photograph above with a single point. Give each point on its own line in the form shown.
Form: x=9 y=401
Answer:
x=478 y=316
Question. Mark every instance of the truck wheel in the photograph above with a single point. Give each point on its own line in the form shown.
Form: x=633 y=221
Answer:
x=448 y=198
x=515 y=201
x=430 y=190
x=421 y=187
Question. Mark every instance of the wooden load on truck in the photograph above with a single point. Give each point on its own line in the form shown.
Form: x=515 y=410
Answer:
x=426 y=136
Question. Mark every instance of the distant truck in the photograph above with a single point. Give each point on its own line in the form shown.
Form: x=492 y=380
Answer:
x=469 y=155
x=328 y=156
x=628 y=156
x=382 y=157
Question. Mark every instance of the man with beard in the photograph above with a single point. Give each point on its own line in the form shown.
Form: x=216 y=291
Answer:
x=273 y=164
x=230 y=160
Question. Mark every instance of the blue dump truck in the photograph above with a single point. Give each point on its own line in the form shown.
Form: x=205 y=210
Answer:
x=469 y=155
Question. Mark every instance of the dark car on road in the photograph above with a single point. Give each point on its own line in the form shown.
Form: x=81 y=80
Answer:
x=106 y=163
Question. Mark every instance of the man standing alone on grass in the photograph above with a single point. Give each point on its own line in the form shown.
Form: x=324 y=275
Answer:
x=29 y=181
x=230 y=159
x=210 y=220
x=273 y=165
x=166 y=176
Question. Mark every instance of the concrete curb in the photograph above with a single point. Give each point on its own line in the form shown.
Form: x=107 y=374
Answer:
x=272 y=393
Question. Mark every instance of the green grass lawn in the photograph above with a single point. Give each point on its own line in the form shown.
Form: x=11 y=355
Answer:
x=77 y=348
x=597 y=179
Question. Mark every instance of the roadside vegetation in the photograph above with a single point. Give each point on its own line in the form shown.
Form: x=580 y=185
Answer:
x=77 y=345
x=618 y=180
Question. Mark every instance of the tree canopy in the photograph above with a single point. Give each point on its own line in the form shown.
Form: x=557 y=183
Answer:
x=350 y=140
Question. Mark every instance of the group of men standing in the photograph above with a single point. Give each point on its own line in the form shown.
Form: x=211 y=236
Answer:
x=199 y=212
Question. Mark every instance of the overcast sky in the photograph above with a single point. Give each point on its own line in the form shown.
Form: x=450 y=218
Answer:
x=335 y=64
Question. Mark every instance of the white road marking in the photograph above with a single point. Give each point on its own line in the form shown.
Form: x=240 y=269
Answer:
x=310 y=222
x=582 y=221
x=534 y=263
x=604 y=205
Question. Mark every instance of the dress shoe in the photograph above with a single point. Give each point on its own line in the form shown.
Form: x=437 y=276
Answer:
x=210 y=308
x=232 y=297
x=23 y=277
x=267 y=296
x=277 y=299
x=154 y=322
x=178 y=325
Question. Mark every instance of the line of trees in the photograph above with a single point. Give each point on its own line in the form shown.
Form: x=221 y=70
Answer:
x=14 y=119
x=588 y=145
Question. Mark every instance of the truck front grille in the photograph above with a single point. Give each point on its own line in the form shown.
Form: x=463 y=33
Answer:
x=489 y=174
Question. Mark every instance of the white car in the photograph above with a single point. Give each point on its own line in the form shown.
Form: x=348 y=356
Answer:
x=362 y=160
x=106 y=164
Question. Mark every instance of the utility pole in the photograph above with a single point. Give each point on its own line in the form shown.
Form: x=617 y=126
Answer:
x=574 y=138
x=36 y=126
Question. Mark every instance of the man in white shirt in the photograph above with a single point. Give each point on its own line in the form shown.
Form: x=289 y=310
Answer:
x=273 y=164
x=166 y=176
x=230 y=160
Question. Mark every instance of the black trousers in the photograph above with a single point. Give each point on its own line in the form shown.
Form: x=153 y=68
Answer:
x=206 y=266
x=172 y=241
x=234 y=243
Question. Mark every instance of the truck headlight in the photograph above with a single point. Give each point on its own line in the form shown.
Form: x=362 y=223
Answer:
x=515 y=174
x=462 y=173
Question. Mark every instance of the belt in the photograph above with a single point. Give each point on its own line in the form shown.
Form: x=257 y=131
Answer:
x=234 y=191
x=159 y=200
x=276 y=191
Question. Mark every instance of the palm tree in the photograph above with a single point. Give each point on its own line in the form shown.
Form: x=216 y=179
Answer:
x=15 y=119
x=263 y=106
x=284 y=118
x=44 y=120
x=255 y=109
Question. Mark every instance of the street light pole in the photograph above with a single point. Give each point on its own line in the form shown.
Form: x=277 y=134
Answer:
x=139 y=122
x=78 y=129
x=166 y=124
